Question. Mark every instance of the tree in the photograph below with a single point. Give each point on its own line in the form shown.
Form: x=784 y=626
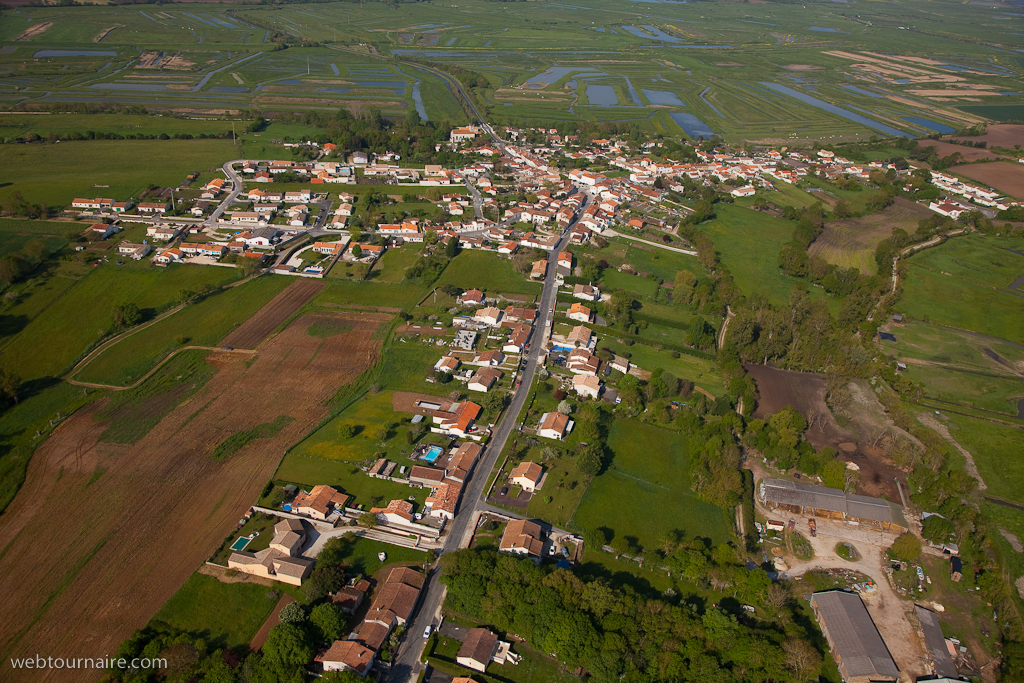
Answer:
x=36 y=250
x=10 y=384
x=328 y=621
x=357 y=251
x=493 y=401
x=684 y=284
x=127 y=315
x=346 y=431
x=346 y=676
x=286 y=649
x=907 y=546
x=368 y=519
x=565 y=408
x=252 y=266
x=451 y=247
x=834 y=474
x=326 y=578
x=596 y=537
x=379 y=432
x=938 y=529
x=292 y=613
x=801 y=658
x=12 y=267
x=590 y=459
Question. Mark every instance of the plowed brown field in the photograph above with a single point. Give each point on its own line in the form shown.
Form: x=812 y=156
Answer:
x=274 y=313
x=102 y=534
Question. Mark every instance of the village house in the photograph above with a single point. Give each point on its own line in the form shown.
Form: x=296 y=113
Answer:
x=527 y=476
x=154 y=207
x=619 y=363
x=347 y=655
x=97 y=204
x=319 y=503
x=554 y=425
x=396 y=598
x=484 y=379
x=565 y=259
x=282 y=560
x=478 y=649
x=490 y=358
x=581 y=337
x=351 y=597
x=443 y=499
x=136 y=252
x=518 y=313
x=368 y=252
x=518 y=337
x=489 y=316
x=523 y=537
x=396 y=512
x=457 y=420
x=447 y=364
x=579 y=313
x=539 y=270
x=165 y=256
x=462 y=461
x=425 y=476
x=102 y=231
x=582 y=362
x=586 y=292
x=586 y=386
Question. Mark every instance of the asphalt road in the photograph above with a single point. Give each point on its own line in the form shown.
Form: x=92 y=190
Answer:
x=460 y=530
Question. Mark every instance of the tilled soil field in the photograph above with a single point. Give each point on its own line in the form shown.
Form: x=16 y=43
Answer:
x=102 y=534
x=276 y=311
x=1005 y=176
x=805 y=392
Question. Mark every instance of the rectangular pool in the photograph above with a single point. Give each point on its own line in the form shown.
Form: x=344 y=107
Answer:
x=240 y=543
x=433 y=453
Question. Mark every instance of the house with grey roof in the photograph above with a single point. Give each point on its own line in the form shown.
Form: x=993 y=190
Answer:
x=941 y=663
x=856 y=645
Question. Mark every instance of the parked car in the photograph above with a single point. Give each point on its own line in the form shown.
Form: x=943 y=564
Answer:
x=504 y=490
x=814 y=528
x=426 y=631
x=792 y=524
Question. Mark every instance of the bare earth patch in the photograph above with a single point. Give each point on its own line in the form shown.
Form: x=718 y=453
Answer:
x=33 y=31
x=1005 y=176
x=1015 y=543
x=102 y=534
x=802 y=67
x=931 y=423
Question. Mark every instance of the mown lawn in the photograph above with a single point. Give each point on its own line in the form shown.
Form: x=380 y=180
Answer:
x=487 y=271
x=225 y=614
x=84 y=314
x=392 y=265
x=702 y=373
x=978 y=258
x=395 y=295
x=201 y=324
x=645 y=493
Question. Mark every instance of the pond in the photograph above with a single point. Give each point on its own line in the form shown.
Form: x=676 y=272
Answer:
x=334 y=68
x=651 y=32
x=860 y=91
x=930 y=125
x=380 y=84
x=74 y=53
x=130 y=86
x=602 y=95
x=663 y=97
x=229 y=89
x=692 y=126
x=333 y=90
x=418 y=101
x=826 y=30
x=831 y=108
x=556 y=73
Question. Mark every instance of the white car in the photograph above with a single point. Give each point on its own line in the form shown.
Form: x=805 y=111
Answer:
x=426 y=631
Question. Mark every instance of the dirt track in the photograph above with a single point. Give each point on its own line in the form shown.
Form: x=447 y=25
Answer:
x=274 y=313
x=102 y=534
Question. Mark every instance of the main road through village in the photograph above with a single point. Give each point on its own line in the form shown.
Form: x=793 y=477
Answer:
x=460 y=530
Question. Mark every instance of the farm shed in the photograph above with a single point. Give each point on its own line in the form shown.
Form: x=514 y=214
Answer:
x=942 y=663
x=820 y=501
x=853 y=638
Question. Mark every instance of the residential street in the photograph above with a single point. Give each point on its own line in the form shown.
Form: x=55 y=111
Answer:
x=407 y=665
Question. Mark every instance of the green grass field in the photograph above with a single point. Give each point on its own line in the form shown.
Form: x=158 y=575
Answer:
x=996 y=449
x=122 y=124
x=645 y=491
x=999 y=394
x=361 y=557
x=57 y=336
x=225 y=614
x=702 y=373
x=200 y=324
x=397 y=295
x=981 y=259
x=56 y=174
x=931 y=296
x=943 y=345
x=749 y=243
x=486 y=271
x=392 y=265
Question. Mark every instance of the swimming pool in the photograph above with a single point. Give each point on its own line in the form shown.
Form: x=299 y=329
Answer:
x=240 y=543
x=433 y=453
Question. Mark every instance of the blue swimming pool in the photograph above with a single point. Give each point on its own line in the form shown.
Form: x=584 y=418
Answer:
x=240 y=543
x=433 y=453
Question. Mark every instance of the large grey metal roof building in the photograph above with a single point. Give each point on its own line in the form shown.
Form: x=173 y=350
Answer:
x=779 y=492
x=856 y=644
x=942 y=663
